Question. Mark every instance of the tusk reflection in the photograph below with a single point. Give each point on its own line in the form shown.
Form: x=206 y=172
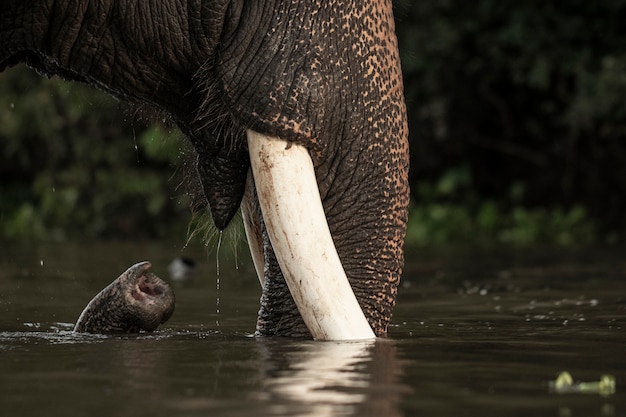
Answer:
x=316 y=370
x=336 y=379
x=250 y=211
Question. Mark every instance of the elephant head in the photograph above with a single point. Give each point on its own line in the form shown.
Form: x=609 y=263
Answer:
x=295 y=109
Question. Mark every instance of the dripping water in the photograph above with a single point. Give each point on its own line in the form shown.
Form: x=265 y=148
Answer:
x=135 y=140
x=217 y=280
x=217 y=255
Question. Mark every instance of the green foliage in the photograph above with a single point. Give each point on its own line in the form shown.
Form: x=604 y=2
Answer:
x=449 y=212
x=516 y=113
x=75 y=166
x=521 y=92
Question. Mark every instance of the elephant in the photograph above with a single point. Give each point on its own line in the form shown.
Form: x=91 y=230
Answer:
x=137 y=300
x=295 y=109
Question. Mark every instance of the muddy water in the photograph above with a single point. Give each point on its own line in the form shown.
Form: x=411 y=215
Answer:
x=474 y=334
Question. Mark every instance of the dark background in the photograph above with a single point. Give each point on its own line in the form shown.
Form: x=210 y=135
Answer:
x=517 y=117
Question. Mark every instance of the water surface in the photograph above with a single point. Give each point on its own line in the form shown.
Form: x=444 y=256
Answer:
x=476 y=333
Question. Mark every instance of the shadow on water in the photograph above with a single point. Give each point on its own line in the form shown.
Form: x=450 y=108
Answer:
x=473 y=334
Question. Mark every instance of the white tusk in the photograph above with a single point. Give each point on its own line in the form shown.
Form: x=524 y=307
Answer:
x=252 y=227
x=297 y=228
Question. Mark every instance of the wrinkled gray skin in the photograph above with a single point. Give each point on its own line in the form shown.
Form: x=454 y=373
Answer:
x=324 y=74
x=137 y=300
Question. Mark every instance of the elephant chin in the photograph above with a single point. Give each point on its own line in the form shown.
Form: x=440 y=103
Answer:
x=298 y=231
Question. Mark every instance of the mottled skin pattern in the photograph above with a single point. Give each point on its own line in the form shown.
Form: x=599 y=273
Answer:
x=321 y=73
x=137 y=300
x=347 y=69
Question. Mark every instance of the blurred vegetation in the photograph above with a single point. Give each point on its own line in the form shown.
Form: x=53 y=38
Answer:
x=517 y=117
x=521 y=107
x=76 y=165
x=451 y=211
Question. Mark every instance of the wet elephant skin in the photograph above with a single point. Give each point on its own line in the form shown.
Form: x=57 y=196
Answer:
x=324 y=74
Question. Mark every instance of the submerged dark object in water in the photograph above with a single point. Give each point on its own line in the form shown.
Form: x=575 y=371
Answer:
x=137 y=300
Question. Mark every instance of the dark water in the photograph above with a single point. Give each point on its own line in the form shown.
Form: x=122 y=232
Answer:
x=474 y=334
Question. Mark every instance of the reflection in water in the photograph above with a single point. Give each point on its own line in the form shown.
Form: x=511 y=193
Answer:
x=143 y=365
x=202 y=374
x=332 y=378
x=474 y=335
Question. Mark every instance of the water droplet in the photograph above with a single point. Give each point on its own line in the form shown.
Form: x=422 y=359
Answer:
x=217 y=279
x=217 y=255
x=41 y=262
x=136 y=147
